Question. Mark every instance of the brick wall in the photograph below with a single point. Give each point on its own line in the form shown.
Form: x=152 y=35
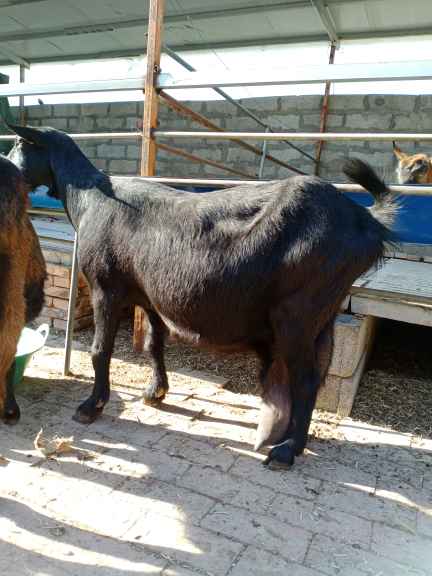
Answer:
x=297 y=113
x=57 y=287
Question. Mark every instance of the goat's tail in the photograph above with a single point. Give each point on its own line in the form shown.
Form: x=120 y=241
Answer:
x=386 y=204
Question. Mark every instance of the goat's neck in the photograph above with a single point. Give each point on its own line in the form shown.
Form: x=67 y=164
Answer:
x=74 y=182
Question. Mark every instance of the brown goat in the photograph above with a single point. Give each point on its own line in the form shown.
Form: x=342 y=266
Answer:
x=22 y=275
x=413 y=168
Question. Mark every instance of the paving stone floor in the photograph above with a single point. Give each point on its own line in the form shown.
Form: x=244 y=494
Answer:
x=178 y=491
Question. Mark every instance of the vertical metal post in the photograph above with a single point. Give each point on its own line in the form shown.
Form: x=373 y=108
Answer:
x=324 y=112
x=263 y=157
x=22 y=114
x=150 y=118
x=71 y=308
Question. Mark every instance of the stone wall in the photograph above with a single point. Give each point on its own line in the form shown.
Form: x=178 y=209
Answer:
x=294 y=113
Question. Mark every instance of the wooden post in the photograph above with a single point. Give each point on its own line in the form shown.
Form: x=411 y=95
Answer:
x=324 y=113
x=151 y=102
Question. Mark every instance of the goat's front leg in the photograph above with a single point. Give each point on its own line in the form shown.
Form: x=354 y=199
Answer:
x=106 y=310
x=155 y=393
x=11 y=413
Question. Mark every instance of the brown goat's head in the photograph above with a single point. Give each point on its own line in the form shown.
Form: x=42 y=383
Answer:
x=413 y=169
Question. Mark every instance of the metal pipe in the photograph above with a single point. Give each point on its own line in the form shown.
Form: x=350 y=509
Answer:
x=418 y=70
x=324 y=112
x=419 y=190
x=71 y=308
x=93 y=136
x=263 y=157
x=22 y=112
x=407 y=190
x=47 y=212
x=73 y=87
x=307 y=74
x=228 y=98
x=328 y=136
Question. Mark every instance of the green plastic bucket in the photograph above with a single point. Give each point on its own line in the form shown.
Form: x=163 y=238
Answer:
x=30 y=342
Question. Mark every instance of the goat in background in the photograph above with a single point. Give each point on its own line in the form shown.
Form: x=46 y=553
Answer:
x=413 y=168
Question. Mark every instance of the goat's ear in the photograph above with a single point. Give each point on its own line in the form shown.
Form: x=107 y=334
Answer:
x=398 y=152
x=29 y=134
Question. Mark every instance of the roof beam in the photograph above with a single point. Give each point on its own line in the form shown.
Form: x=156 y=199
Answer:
x=85 y=28
x=110 y=25
x=11 y=3
x=303 y=39
x=14 y=58
x=266 y=41
x=325 y=16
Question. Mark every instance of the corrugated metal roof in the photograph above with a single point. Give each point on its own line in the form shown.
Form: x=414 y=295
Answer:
x=45 y=30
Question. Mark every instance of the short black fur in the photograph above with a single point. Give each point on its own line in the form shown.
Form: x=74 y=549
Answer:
x=254 y=267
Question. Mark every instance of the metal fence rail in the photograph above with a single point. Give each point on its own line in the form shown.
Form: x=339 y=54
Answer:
x=328 y=136
x=407 y=190
x=308 y=74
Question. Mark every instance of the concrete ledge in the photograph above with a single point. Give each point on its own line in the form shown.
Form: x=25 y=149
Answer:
x=354 y=337
x=350 y=340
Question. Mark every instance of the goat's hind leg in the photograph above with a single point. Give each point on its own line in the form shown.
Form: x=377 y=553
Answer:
x=107 y=310
x=308 y=371
x=304 y=383
x=11 y=323
x=155 y=393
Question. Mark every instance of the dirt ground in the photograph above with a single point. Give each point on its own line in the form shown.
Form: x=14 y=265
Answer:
x=178 y=490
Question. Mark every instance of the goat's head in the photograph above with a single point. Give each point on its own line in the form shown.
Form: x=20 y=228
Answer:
x=32 y=153
x=413 y=169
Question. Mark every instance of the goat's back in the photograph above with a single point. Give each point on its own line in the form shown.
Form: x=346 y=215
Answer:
x=218 y=262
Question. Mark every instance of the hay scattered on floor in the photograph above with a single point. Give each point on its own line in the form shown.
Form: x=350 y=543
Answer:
x=55 y=446
x=52 y=446
x=404 y=404
x=396 y=390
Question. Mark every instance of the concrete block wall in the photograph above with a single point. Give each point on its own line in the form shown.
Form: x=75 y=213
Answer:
x=294 y=113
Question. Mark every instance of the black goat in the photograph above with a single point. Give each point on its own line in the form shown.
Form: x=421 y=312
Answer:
x=261 y=268
x=22 y=275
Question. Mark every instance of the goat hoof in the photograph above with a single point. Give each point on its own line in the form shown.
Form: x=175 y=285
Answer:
x=86 y=414
x=11 y=416
x=156 y=398
x=152 y=401
x=281 y=456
